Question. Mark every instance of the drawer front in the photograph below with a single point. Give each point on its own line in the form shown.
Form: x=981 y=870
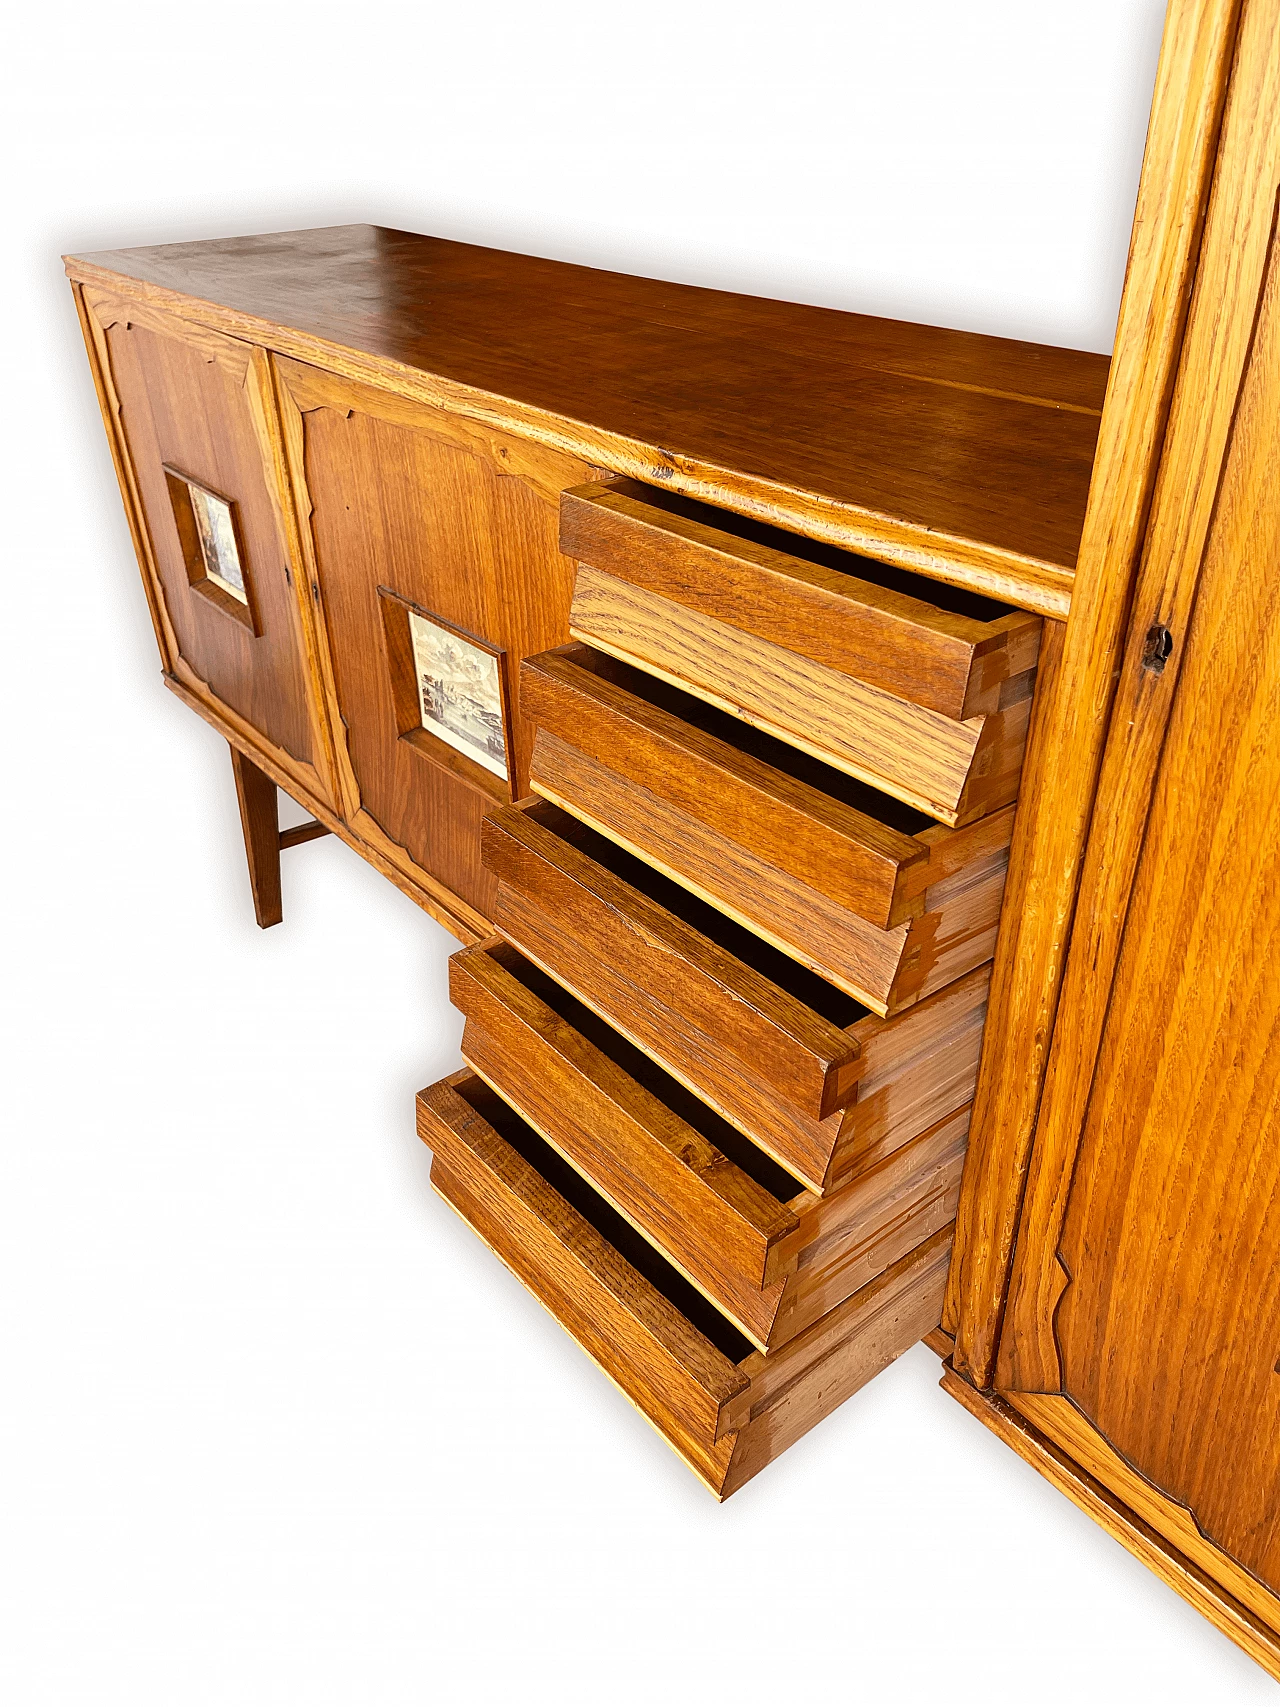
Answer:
x=769 y=1064
x=934 y=646
x=643 y=1339
x=640 y=968
x=793 y=655
x=630 y=1129
x=647 y=931
x=770 y=1257
x=869 y=894
x=432 y=547
x=727 y=1410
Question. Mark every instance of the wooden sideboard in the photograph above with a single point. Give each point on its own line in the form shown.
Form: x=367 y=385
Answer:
x=845 y=750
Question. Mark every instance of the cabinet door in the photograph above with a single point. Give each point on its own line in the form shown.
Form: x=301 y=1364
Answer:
x=202 y=465
x=434 y=560
x=1143 y=1328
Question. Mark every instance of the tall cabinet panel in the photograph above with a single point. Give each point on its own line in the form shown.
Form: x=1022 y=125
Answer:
x=434 y=559
x=1142 y=1334
x=202 y=463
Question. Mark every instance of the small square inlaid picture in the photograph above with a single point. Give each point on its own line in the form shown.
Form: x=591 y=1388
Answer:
x=217 y=536
x=459 y=693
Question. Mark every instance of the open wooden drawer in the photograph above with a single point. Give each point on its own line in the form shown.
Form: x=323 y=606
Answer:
x=769 y=1255
x=867 y=891
x=803 y=1070
x=920 y=689
x=726 y=1408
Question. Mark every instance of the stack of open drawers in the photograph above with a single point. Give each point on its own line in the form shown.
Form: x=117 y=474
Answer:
x=721 y=1057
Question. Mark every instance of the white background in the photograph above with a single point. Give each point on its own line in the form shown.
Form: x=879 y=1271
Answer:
x=274 y=1427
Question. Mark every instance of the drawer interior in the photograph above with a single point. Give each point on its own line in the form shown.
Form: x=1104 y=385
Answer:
x=958 y=601
x=836 y=785
x=807 y=987
x=691 y=1109
x=611 y=1226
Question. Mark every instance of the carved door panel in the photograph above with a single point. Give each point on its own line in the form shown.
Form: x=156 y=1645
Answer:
x=202 y=463
x=435 y=567
x=1142 y=1333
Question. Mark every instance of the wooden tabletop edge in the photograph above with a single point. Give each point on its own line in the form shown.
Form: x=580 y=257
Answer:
x=1031 y=583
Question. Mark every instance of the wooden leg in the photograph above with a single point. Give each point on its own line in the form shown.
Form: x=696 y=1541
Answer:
x=261 y=824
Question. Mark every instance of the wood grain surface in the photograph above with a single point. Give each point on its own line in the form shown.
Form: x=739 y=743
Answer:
x=771 y=1257
x=727 y=1416
x=260 y=823
x=185 y=398
x=1157 y=1164
x=1079 y=669
x=944 y=649
x=886 y=970
x=829 y=832
x=964 y=457
x=402 y=505
x=724 y=1014
x=1210 y=536
x=953 y=771
x=601 y=898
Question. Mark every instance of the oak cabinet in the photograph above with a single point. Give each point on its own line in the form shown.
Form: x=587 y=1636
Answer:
x=848 y=751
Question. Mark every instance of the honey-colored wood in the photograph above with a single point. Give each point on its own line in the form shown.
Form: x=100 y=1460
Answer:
x=188 y=399
x=948 y=651
x=665 y=1364
x=795 y=1389
x=1156 y=1165
x=300 y=833
x=540 y=854
x=806 y=1073
x=832 y=833
x=405 y=508
x=953 y=771
x=1212 y=542
x=1201 y=1588
x=727 y=1419
x=771 y=1257
x=1076 y=684
x=803 y=417
x=855 y=1233
x=792 y=859
x=260 y=821
x=653 y=1155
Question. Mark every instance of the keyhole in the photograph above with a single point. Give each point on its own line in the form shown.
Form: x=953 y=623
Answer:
x=1158 y=648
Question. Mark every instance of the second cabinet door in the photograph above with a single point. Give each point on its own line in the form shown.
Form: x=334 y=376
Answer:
x=436 y=566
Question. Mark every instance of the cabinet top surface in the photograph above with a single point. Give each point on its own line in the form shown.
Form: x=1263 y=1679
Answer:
x=963 y=456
